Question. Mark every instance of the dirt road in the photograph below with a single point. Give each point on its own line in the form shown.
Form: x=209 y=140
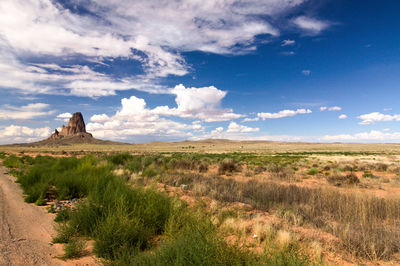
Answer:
x=26 y=230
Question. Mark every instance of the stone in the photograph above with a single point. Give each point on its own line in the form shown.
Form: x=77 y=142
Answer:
x=76 y=127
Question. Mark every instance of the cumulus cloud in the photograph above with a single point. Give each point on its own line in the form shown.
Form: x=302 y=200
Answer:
x=236 y=128
x=288 y=42
x=342 y=116
x=29 y=111
x=136 y=119
x=283 y=113
x=373 y=135
x=64 y=117
x=201 y=103
x=373 y=117
x=20 y=134
x=34 y=30
x=311 y=26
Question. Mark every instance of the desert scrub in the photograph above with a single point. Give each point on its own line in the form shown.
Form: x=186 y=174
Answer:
x=281 y=172
x=74 y=249
x=13 y=161
x=313 y=171
x=228 y=166
x=320 y=207
x=368 y=174
x=338 y=180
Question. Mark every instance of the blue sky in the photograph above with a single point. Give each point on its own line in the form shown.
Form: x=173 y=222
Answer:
x=141 y=71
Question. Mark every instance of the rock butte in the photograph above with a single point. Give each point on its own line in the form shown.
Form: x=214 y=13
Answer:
x=76 y=127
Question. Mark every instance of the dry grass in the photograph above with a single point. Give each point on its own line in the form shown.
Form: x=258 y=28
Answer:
x=283 y=238
x=367 y=225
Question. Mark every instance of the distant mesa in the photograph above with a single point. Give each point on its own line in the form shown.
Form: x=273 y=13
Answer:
x=76 y=128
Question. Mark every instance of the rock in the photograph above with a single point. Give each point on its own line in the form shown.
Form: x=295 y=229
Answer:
x=76 y=127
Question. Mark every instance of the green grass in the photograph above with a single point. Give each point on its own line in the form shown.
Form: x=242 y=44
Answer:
x=313 y=171
x=132 y=226
x=74 y=249
x=13 y=161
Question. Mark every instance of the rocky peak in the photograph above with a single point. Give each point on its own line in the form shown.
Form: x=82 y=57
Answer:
x=76 y=127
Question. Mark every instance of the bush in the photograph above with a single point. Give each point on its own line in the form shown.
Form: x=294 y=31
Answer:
x=13 y=161
x=63 y=215
x=228 y=166
x=135 y=164
x=313 y=171
x=149 y=172
x=339 y=180
x=74 y=249
x=120 y=158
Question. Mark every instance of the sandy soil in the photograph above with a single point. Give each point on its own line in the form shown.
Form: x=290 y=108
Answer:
x=26 y=230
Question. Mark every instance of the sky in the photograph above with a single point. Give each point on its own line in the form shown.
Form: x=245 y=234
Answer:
x=152 y=70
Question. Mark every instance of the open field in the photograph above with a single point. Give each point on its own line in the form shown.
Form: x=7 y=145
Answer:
x=214 y=146
x=219 y=202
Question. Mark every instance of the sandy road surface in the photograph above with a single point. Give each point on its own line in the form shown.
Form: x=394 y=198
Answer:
x=26 y=230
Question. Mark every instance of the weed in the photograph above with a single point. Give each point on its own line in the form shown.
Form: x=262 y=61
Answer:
x=228 y=166
x=312 y=171
x=63 y=215
x=51 y=209
x=338 y=180
x=74 y=249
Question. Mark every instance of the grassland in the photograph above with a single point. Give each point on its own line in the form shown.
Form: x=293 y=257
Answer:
x=278 y=204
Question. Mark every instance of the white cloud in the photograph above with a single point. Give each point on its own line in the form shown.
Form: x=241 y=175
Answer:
x=198 y=103
x=283 y=113
x=134 y=119
x=31 y=30
x=332 y=108
x=306 y=72
x=236 y=128
x=19 y=134
x=312 y=26
x=288 y=42
x=335 y=108
x=29 y=111
x=373 y=135
x=100 y=118
x=251 y=119
x=64 y=117
x=342 y=116
x=373 y=117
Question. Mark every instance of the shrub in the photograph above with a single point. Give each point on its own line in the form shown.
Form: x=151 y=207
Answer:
x=120 y=158
x=339 y=180
x=381 y=167
x=368 y=174
x=149 y=172
x=228 y=166
x=74 y=249
x=281 y=172
x=203 y=167
x=13 y=161
x=135 y=164
x=63 y=215
x=312 y=171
